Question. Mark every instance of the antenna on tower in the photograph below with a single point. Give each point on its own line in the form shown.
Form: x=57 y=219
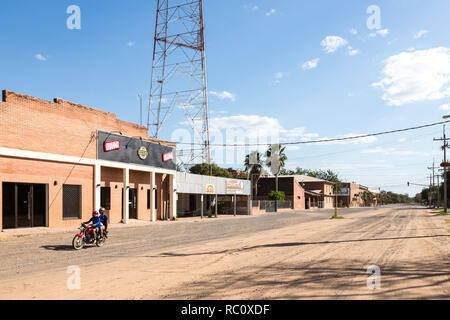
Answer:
x=179 y=73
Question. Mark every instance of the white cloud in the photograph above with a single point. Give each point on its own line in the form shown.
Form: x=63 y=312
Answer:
x=278 y=76
x=353 y=31
x=420 y=34
x=352 y=52
x=260 y=128
x=308 y=65
x=383 y=33
x=131 y=43
x=271 y=12
x=224 y=95
x=255 y=8
x=401 y=140
x=416 y=76
x=332 y=43
x=445 y=107
x=41 y=57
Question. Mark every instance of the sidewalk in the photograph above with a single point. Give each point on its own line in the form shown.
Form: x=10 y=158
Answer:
x=23 y=232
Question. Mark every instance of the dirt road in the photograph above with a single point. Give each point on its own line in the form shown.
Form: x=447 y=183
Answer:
x=282 y=256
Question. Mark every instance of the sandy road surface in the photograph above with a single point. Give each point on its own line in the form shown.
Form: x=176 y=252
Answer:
x=304 y=258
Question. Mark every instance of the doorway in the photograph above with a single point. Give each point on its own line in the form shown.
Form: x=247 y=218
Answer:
x=24 y=205
x=132 y=207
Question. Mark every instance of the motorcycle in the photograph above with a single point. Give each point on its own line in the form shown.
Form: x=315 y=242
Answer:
x=86 y=236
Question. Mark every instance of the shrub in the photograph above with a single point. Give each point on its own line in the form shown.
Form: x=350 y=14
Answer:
x=277 y=195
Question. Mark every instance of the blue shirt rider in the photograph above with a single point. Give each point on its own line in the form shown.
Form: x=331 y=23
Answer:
x=96 y=223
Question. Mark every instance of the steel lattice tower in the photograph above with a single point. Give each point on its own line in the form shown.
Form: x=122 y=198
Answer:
x=179 y=73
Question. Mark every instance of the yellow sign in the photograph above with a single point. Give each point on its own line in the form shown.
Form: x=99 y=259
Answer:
x=210 y=189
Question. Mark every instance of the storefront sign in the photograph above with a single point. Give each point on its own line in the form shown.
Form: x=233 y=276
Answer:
x=137 y=151
x=210 y=189
x=167 y=156
x=112 y=145
x=235 y=187
x=143 y=153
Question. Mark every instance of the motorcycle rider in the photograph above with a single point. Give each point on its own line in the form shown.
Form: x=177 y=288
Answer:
x=104 y=220
x=96 y=223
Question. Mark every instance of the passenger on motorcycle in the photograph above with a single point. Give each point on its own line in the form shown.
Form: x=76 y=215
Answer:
x=104 y=220
x=96 y=223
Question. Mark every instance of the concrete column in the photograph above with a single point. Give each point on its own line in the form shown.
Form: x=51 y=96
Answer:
x=173 y=195
x=97 y=187
x=126 y=195
x=215 y=207
x=235 y=203
x=201 y=204
x=152 y=196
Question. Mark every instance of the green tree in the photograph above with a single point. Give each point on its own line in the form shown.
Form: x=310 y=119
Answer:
x=203 y=169
x=368 y=198
x=277 y=195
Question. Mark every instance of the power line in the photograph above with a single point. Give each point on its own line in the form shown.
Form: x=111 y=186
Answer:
x=325 y=140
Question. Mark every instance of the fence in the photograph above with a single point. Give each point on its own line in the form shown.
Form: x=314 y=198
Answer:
x=266 y=206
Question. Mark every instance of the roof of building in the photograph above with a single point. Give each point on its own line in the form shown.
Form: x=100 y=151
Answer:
x=303 y=178
x=300 y=178
x=313 y=193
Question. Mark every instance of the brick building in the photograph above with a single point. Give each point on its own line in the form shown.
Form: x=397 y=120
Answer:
x=350 y=195
x=60 y=160
x=305 y=192
x=288 y=184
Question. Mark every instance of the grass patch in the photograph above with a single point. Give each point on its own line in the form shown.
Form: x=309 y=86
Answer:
x=337 y=218
x=442 y=213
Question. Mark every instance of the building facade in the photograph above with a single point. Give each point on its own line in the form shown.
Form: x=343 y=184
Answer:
x=60 y=160
x=350 y=195
x=319 y=189
x=305 y=192
x=207 y=196
x=288 y=184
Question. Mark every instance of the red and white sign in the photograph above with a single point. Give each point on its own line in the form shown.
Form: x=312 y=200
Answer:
x=112 y=145
x=167 y=156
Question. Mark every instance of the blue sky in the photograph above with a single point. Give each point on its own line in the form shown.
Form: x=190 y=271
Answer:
x=310 y=69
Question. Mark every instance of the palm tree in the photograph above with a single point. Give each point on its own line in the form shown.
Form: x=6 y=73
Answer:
x=276 y=160
x=254 y=167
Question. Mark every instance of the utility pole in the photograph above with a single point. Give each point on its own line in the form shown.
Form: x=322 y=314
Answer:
x=433 y=168
x=444 y=147
x=430 y=197
x=438 y=193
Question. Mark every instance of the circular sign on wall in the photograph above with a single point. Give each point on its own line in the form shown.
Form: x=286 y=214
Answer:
x=143 y=153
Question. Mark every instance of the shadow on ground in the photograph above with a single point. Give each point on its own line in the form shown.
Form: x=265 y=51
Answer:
x=291 y=244
x=325 y=279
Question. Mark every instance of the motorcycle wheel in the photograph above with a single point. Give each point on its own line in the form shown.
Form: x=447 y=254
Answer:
x=78 y=243
x=100 y=243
